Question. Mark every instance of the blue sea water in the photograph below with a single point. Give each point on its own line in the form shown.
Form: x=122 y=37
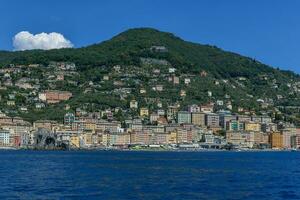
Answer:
x=149 y=175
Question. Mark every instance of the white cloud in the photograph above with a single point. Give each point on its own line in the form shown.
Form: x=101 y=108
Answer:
x=24 y=40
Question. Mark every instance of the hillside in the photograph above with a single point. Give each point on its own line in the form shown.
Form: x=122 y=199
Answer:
x=111 y=73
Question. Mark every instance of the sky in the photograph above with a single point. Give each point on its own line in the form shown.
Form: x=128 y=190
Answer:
x=267 y=30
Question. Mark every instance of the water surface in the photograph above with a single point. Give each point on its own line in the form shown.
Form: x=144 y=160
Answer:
x=149 y=175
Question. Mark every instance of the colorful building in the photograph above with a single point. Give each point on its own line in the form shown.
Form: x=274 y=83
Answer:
x=183 y=117
x=276 y=140
x=212 y=120
x=234 y=125
x=5 y=136
x=198 y=119
x=252 y=126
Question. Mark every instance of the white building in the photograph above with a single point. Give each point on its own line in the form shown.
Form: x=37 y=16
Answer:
x=42 y=96
x=209 y=93
x=5 y=137
x=133 y=104
x=194 y=108
x=172 y=70
x=187 y=81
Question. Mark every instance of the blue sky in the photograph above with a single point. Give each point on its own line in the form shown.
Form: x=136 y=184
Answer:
x=268 y=30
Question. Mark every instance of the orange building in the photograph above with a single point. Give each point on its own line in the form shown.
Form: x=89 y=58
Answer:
x=276 y=140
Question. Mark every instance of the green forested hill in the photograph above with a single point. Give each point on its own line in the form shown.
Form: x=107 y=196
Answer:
x=127 y=47
x=232 y=78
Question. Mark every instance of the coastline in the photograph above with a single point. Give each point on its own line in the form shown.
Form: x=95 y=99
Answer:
x=149 y=150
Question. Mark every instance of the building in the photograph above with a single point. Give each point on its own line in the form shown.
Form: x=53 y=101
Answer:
x=47 y=124
x=182 y=93
x=60 y=77
x=154 y=117
x=298 y=138
x=234 y=137
x=276 y=140
x=172 y=137
x=144 y=112
x=39 y=105
x=75 y=141
x=209 y=93
x=162 y=121
x=255 y=118
x=5 y=136
x=224 y=118
x=198 y=119
x=117 y=139
x=266 y=119
x=159 y=138
x=105 y=77
x=159 y=88
x=159 y=104
x=244 y=118
x=161 y=112
x=172 y=70
x=209 y=108
x=69 y=118
x=286 y=138
x=269 y=127
x=175 y=80
x=208 y=138
x=194 y=108
x=183 y=117
x=212 y=120
x=261 y=139
x=220 y=102
x=234 y=125
x=295 y=140
x=252 y=126
x=203 y=73
x=184 y=136
x=11 y=103
x=133 y=104
x=242 y=139
x=141 y=137
x=171 y=112
x=187 y=81
x=53 y=96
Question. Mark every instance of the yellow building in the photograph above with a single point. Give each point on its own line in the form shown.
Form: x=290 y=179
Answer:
x=261 y=138
x=198 y=119
x=88 y=139
x=119 y=138
x=252 y=126
x=75 y=141
x=241 y=138
x=276 y=140
x=47 y=124
x=90 y=126
x=144 y=112
x=172 y=137
x=105 y=139
x=182 y=136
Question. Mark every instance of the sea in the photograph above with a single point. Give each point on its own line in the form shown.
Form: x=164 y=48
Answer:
x=149 y=175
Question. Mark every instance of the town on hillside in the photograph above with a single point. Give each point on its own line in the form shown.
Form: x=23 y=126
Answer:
x=197 y=128
x=53 y=107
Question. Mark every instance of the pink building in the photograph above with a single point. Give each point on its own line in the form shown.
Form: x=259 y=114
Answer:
x=286 y=139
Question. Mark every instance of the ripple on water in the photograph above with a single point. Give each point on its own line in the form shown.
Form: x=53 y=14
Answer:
x=149 y=175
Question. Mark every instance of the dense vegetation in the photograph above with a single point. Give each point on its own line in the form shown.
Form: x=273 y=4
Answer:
x=127 y=50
